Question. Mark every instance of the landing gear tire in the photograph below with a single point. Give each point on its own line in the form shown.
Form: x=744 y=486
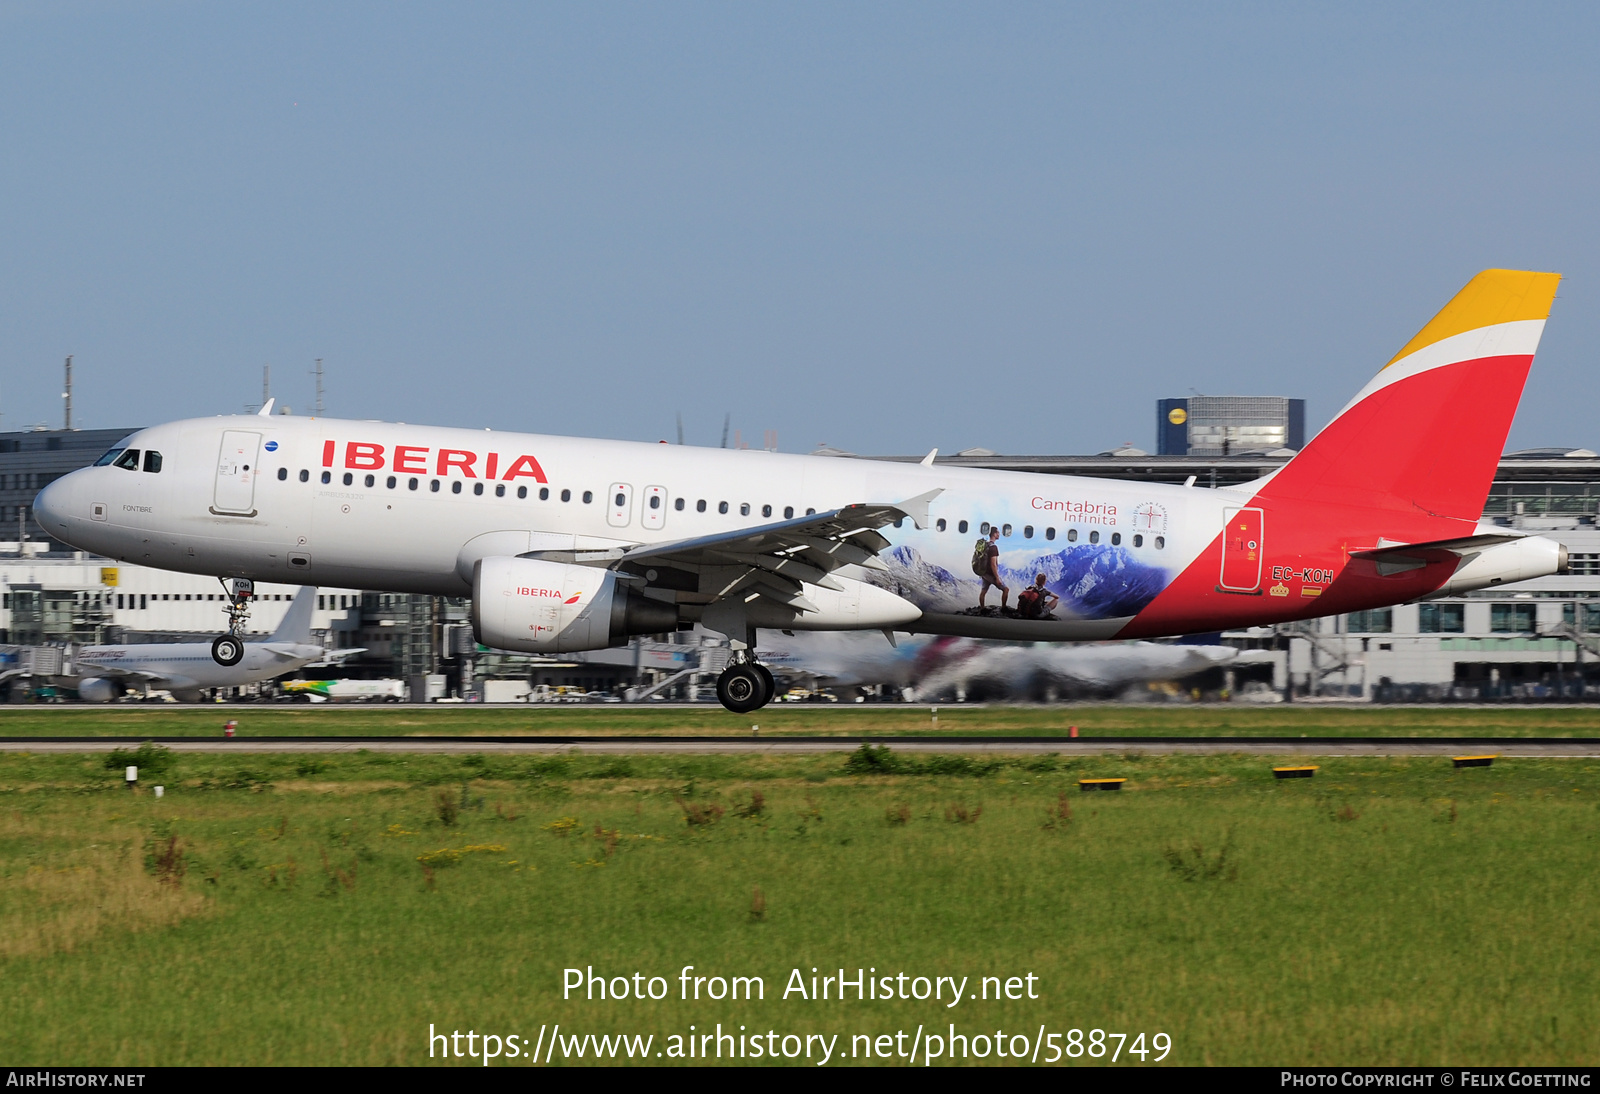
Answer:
x=772 y=685
x=227 y=650
x=742 y=688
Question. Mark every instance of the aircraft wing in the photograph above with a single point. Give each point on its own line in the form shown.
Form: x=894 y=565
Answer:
x=771 y=560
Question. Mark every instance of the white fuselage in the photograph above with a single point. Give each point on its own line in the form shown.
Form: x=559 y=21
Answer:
x=410 y=508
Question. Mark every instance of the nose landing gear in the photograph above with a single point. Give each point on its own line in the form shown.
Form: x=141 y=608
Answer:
x=228 y=649
x=745 y=685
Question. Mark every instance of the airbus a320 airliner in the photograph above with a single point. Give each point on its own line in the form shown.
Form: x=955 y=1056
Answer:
x=567 y=544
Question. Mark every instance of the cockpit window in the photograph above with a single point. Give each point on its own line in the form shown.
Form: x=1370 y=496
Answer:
x=152 y=461
x=105 y=461
x=129 y=460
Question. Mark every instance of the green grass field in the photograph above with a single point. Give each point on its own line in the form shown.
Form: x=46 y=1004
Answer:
x=326 y=909
x=886 y=719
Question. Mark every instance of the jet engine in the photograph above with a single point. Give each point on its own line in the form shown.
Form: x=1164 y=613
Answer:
x=98 y=689
x=533 y=606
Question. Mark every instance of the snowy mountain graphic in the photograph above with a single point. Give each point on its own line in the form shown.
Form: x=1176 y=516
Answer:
x=1094 y=581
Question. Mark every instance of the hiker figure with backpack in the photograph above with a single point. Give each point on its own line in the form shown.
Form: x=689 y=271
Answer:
x=1036 y=601
x=986 y=564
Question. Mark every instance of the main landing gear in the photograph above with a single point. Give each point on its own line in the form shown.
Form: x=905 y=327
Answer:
x=228 y=649
x=745 y=685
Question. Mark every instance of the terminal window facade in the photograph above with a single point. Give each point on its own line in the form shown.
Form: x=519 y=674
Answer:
x=1585 y=617
x=1512 y=618
x=1442 y=618
x=1377 y=621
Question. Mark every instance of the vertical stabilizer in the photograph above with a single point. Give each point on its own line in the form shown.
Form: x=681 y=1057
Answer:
x=1426 y=434
x=296 y=625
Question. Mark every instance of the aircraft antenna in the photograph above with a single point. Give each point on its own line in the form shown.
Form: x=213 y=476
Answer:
x=67 y=394
x=680 y=427
x=317 y=372
x=727 y=420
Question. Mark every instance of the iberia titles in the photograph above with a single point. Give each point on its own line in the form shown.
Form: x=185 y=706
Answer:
x=421 y=460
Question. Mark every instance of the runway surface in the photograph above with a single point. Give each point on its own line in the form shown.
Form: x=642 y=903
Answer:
x=1566 y=747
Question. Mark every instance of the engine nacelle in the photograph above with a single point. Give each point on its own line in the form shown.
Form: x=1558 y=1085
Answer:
x=532 y=606
x=1519 y=560
x=98 y=689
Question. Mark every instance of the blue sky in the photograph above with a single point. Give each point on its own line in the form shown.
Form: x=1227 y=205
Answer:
x=887 y=227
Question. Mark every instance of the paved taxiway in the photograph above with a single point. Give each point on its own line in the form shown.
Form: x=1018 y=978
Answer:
x=1564 y=747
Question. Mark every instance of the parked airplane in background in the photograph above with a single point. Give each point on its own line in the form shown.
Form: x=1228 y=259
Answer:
x=931 y=666
x=568 y=544
x=104 y=673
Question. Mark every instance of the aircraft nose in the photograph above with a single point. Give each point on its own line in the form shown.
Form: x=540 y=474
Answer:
x=53 y=504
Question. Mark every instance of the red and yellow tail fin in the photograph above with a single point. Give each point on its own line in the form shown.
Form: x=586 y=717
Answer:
x=1426 y=434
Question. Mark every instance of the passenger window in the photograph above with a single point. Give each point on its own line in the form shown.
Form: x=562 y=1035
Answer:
x=899 y=522
x=544 y=493
x=522 y=492
x=371 y=480
x=1072 y=535
x=152 y=462
x=412 y=485
x=390 y=482
x=1049 y=533
x=1116 y=539
x=566 y=495
x=620 y=500
x=1006 y=531
x=788 y=512
x=678 y=505
x=655 y=501
x=433 y=484
x=500 y=490
x=455 y=487
x=700 y=506
x=1027 y=531
x=744 y=509
x=983 y=529
x=962 y=527
x=283 y=474
x=588 y=497
x=939 y=524
x=1161 y=541
x=722 y=507
x=477 y=488
x=349 y=478
x=766 y=510
x=327 y=477
x=1138 y=541
x=305 y=476
x=1094 y=537
x=811 y=512
x=129 y=460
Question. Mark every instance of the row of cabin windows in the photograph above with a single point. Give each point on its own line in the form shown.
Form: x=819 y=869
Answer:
x=128 y=460
x=700 y=506
x=984 y=528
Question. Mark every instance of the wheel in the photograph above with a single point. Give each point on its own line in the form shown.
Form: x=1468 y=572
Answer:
x=741 y=688
x=772 y=685
x=227 y=650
